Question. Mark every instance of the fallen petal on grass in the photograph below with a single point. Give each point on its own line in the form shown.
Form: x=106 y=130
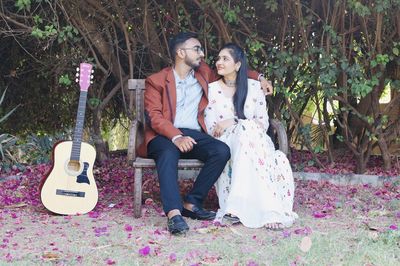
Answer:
x=172 y=257
x=393 y=227
x=110 y=262
x=305 y=244
x=144 y=251
x=319 y=214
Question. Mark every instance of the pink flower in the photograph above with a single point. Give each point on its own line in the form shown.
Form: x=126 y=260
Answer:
x=172 y=257
x=393 y=227
x=94 y=214
x=8 y=257
x=144 y=251
x=110 y=262
x=128 y=228
x=317 y=214
x=286 y=233
x=252 y=263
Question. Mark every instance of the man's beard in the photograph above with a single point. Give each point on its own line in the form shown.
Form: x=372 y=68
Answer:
x=192 y=64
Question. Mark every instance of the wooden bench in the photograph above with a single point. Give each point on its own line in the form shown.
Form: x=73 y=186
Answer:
x=136 y=135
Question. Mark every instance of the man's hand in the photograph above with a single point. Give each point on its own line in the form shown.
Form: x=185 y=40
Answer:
x=221 y=126
x=266 y=86
x=185 y=143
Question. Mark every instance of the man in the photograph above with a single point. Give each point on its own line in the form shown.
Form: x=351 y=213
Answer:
x=175 y=99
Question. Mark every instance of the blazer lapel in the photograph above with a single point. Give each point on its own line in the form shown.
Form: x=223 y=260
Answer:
x=171 y=91
x=203 y=82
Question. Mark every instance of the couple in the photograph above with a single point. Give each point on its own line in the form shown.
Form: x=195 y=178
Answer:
x=182 y=103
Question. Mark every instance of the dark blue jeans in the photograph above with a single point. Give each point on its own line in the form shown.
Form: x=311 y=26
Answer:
x=212 y=152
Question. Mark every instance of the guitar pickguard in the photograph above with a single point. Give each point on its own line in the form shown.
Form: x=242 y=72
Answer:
x=83 y=178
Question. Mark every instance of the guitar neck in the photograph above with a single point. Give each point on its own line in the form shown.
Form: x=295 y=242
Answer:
x=80 y=118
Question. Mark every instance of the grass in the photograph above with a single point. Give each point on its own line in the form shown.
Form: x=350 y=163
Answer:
x=42 y=239
x=337 y=225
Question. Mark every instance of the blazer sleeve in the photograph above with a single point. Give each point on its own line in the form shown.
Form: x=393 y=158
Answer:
x=153 y=105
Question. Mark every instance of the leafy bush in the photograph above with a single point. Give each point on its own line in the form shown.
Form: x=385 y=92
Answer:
x=7 y=141
x=37 y=148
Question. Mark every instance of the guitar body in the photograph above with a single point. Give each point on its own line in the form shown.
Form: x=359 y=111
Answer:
x=70 y=188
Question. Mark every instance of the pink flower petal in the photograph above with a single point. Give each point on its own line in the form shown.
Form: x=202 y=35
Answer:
x=144 y=251
x=172 y=257
x=319 y=214
x=94 y=214
x=110 y=262
x=128 y=228
x=393 y=227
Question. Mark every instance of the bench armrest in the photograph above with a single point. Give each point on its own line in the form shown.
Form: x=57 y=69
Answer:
x=281 y=135
x=135 y=139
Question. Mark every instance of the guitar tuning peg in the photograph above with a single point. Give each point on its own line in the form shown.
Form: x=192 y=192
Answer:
x=91 y=82
x=92 y=71
x=77 y=75
x=76 y=80
x=91 y=76
x=77 y=69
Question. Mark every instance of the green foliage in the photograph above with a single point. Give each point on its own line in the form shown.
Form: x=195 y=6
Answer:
x=68 y=33
x=231 y=15
x=359 y=8
x=4 y=117
x=64 y=80
x=49 y=31
x=271 y=5
x=94 y=102
x=23 y=4
x=36 y=149
x=7 y=141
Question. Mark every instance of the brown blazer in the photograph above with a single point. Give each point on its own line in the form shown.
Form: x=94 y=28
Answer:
x=160 y=102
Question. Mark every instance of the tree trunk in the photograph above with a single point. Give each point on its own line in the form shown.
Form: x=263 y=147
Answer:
x=99 y=143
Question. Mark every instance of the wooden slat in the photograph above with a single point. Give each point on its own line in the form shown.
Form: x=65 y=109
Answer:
x=183 y=163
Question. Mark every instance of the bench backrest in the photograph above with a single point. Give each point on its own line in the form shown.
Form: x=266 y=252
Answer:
x=136 y=133
x=137 y=85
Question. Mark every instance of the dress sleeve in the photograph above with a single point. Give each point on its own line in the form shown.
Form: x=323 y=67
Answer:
x=261 y=111
x=210 y=115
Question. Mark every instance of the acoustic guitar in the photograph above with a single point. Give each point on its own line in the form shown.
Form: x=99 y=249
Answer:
x=69 y=188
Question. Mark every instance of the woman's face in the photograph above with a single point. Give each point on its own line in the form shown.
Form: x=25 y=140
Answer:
x=225 y=64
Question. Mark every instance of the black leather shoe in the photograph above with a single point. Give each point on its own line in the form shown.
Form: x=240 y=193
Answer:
x=198 y=213
x=176 y=225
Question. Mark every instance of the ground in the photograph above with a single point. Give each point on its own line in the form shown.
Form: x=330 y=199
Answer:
x=337 y=225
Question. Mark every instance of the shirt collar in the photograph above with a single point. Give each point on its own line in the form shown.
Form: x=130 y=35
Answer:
x=189 y=75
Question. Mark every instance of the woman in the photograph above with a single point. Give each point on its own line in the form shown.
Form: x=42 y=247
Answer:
x=257 y=183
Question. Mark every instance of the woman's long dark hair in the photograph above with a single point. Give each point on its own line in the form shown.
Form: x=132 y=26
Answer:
x=240 y=95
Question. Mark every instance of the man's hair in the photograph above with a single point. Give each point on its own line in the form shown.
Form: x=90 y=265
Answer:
x=177 y=40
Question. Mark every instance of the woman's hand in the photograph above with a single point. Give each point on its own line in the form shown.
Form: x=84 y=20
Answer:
x=221 y=126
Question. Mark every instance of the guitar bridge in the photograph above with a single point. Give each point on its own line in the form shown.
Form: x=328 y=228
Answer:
x=70 y=193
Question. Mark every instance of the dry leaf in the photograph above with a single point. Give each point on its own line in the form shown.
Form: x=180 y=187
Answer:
x=51 y=256
x=305 y=244
x=206 y=230
x=373 y=235
x=19 y=205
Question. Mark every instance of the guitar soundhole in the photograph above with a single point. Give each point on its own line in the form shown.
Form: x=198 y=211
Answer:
x=74 y=166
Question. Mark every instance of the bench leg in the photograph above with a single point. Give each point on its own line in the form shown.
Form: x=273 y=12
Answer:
x=137 y=193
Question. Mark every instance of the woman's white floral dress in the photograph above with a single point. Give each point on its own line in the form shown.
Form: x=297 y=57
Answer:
x=257 y=183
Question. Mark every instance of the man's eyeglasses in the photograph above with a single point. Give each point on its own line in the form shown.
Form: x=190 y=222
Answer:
x=197 y=49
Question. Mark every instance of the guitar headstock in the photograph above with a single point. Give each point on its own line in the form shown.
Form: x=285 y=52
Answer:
x=85 y=76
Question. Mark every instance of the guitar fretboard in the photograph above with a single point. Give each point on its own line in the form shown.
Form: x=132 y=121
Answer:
x=80 y=118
